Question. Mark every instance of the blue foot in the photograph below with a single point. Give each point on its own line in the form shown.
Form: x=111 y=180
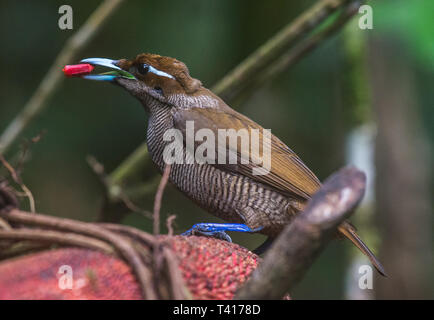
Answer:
x=218 y=230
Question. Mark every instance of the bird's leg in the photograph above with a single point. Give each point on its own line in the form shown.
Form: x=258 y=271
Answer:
x=218 y=230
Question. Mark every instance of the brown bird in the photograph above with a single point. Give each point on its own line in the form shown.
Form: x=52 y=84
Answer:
x=263 y=203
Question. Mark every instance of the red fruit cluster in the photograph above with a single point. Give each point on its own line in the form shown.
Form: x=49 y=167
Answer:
x=212 y=269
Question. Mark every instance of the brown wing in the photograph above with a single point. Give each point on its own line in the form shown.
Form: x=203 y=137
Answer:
x=288 y=173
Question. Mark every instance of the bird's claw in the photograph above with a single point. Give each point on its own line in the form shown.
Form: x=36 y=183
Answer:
x=221 y=235
x=218 y=230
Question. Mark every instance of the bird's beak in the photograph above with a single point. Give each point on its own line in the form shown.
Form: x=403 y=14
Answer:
x=116 y=71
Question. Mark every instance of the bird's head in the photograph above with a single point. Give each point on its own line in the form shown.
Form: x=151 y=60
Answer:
x=151 y=78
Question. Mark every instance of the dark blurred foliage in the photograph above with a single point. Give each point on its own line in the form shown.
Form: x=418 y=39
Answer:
x=211 y=37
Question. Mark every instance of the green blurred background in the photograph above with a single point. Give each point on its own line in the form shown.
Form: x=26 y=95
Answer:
x=310 y=106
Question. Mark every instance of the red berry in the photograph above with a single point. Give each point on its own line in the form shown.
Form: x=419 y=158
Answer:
x=75 y=70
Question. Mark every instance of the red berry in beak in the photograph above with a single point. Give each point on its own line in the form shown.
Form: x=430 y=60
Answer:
x=76 y=70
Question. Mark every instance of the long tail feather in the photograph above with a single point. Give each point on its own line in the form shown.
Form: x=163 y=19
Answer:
x=349 y=232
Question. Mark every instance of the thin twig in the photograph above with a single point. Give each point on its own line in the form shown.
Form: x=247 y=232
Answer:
x=11 y=169
x=22 y=247
x=26 y=148
x=159 y=198
x=98 y=168
x=8 y=197
x=4 y=225
x=54 y=76
x=56 y=237
x=30 y=197
x=176 y=283
x=17 y=180
x=157 y=254
x=145 y=238
x=169 y=223
x=133 y=207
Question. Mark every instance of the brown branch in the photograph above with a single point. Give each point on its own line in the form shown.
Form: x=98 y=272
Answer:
x=159 y=198
x=12 y=250
x=113 y=192
x=169 y=224
x=145 y=238
x=54 y=77
x=25 y=150
x=176 y=283
x=158 y=248
x=18 y=181
x=4 y=225
x=56 y=237
x=165 y=257
x=301 y=242
x=7 y=196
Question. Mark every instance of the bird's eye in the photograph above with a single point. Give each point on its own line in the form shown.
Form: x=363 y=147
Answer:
x=158 y=90
x=143 y=68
